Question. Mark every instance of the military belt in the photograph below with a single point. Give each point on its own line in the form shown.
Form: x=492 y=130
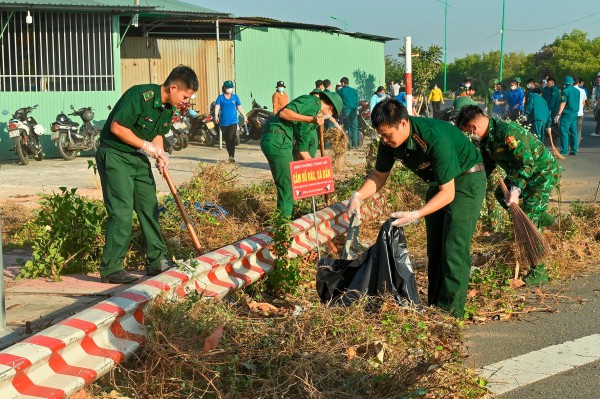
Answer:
x=477 y=168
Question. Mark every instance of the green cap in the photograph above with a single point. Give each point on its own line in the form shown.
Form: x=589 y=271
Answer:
x=461 y=102
x=334 y=98
x=495 y=81
x=316 y=91
x=517 y=79
x=568 y=80
x=228 y=84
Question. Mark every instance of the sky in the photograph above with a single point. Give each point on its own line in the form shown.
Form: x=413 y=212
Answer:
x=473 y=26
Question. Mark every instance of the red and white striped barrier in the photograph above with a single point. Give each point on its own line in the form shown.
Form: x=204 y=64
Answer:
x=63 y=359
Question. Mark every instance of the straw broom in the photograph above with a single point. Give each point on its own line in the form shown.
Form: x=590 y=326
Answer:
x=531 y=247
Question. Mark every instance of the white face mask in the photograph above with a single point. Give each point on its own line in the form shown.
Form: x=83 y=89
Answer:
x=474 y=137
x=327 y=116
x=281 y=89
x=513 y=87
x=530 y=86
x=467 y=85
x=229 y=91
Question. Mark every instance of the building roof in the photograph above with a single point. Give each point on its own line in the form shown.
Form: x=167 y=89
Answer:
x=261 y=21
x=155 y=7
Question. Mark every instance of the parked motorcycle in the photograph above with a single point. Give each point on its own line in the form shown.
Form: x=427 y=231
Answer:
x=70 y=138
x=25 y=134
x=257 y=118
x=204 y=130
x=179 y=130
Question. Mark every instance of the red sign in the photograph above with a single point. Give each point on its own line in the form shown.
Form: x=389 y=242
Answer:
x=311 y=177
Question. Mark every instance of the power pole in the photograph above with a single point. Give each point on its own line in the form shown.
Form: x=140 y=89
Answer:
x=502 y=40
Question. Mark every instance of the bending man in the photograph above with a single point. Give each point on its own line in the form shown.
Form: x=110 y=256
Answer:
x=531 y=172
x=441 y=155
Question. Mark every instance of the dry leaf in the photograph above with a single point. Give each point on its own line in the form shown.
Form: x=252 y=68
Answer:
x=472 y=293
x=351 y=353
x=262 y=307
x=516 y=283
x=212 y=341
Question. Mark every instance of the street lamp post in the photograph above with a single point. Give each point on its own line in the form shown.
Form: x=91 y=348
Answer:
x=502 y=40
x=342 y=21
x=446 y=5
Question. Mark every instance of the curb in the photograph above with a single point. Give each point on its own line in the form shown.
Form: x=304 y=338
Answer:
x=62 y=359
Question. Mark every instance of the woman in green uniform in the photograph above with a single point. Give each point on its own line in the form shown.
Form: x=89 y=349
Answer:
x=133 y=133
x=441 y=155
x=289 y=125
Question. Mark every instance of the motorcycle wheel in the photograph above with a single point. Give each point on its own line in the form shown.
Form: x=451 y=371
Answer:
x=18 y=142
x=255 y=132
x=237 y=138
x=178 y=145
x=61 y=146
x=209 y=139
x=185 y=140
x=168 y=149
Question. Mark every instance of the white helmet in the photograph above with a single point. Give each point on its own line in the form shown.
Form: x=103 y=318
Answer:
x=38 y=129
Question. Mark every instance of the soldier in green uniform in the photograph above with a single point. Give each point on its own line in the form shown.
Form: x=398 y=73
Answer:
x=132 y=134
x=567 y=115
x=290 y=129
x=531 y=171
x=441 y=155
x=538 y=114
x=551 y=94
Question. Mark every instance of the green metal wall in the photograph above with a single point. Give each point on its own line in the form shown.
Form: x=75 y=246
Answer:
x=51 y=103
x=299 y=57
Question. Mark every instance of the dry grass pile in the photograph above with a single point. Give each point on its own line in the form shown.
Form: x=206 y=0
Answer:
x=201 y=349
x=242 y=210
x=339 y=145
x=14 y=217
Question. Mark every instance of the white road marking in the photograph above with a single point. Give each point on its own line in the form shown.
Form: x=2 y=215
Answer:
x=525 y=369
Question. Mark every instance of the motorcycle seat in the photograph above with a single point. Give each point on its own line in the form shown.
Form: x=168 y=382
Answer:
x=71 y=123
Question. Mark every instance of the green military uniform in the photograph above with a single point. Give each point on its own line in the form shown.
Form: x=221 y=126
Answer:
x=569 y=136
x=552 y=97
x=126 y=176
x=528 y=166
x=538 y=115
x=278 y=140
x=438 y=152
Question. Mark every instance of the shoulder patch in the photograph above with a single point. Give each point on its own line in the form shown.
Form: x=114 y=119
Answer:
x=148 y=95
x=419 y=141
x=512 y=142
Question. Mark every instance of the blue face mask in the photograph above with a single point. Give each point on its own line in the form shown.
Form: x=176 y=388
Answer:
x=379 y=95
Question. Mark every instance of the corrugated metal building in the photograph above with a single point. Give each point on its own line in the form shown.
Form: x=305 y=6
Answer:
x=299 y=54
x=87 y=52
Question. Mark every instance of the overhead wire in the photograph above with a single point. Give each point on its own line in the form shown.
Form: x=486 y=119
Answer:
x=475 y=44
x=553 y=27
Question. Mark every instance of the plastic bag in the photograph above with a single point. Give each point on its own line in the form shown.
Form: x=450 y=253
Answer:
x=384 y=268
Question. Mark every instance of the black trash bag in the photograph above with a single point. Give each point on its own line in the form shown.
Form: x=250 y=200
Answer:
x=384 y=268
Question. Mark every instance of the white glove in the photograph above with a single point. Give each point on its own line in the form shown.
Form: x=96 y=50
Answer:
x=515 y=192
x=556 y=118
x=354 y=204
x=405 y=218
x=151 y=150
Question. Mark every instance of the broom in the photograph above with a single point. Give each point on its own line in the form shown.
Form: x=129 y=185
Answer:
x=554 y=150
x=531 y=246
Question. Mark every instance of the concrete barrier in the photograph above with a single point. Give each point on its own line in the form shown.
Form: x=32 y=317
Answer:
x=63 y=359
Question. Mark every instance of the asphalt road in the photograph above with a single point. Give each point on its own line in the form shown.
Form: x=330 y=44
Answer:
x=529 y=338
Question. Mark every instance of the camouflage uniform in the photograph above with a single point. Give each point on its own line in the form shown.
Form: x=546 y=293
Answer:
x=527 y=163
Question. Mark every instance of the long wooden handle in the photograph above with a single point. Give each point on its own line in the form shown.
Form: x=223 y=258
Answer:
x=188 y=224
x=322 y=140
